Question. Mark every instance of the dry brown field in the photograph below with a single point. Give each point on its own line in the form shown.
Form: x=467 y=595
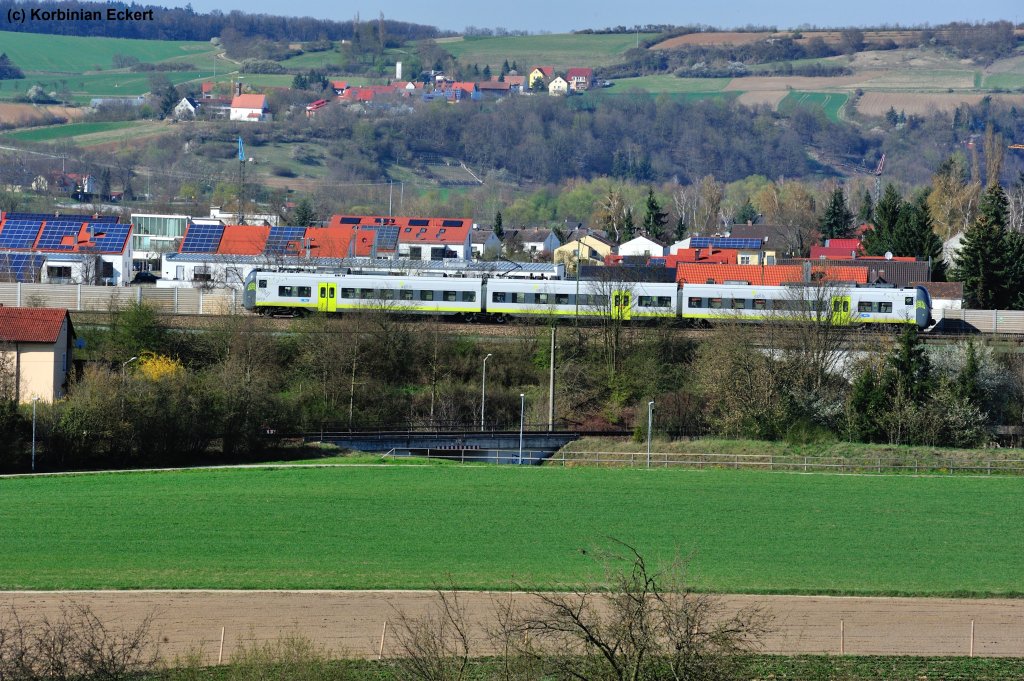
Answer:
x=902 y=37
x=29 y=114
x=878 y=103
x=351 y=622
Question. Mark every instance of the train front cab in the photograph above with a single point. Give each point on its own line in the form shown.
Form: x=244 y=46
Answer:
x=923 y=308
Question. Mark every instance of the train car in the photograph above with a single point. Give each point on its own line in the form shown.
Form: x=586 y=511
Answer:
x=843 y=304
x=568 y=298
x=299 y=293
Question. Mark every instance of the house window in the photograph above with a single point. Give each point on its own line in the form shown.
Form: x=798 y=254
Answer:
x=769 y=260
x=415 y=252
x=744 y=259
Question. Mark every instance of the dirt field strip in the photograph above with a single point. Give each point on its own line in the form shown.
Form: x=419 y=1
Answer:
x=351 y=622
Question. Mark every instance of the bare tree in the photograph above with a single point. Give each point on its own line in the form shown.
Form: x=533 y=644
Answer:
x=642 y=624
x=434 y=646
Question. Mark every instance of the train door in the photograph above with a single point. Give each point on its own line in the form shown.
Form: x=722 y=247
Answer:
x=622 y=307
x=326 y=299
x=841 y=310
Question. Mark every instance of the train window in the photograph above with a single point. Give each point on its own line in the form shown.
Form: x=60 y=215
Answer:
x=561 y=299
x=696 y=302
x=519 y=298
x=406 y=294
x=348 y=293
x=863 y=306
x=837 y=305
x=908 y=301
x=366 y=293
x=739 y=303
x=715 y=303
x=305 y=291
x=498 y=297
x=451 y=296
x=386 y=293
x=542 y=299
x=760 y=304
x=664 y=301
x=263 y=283
x=599 y=301
x=285 y=291
x=846 y=305
x=645 y=301
x=885 y=308
x=469 y=296
x=426 y=295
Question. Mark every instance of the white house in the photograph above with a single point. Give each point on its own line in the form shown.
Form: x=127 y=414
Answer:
x=558 y=86
x=642 y=245
x=251 y=108
x=484 y=243
x=186 y=108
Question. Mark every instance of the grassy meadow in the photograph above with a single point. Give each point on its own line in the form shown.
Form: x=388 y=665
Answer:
x=51 y=133
x=60 y=54
x=563 y=51
x=482 y=527
x=829 y=102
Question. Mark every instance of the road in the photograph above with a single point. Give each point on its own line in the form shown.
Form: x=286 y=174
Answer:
x=351 y=622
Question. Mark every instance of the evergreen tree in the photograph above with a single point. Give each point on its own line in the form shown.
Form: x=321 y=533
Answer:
x=504 y=67
x=680 y=230
x=866 y=214
x=887 y=213
x=838 y=220
x=746 y=213
x=655 y=218
x=8 y=69
x=486 y=73
x=910 y=367
x=984 y=263
x=915 y=235
x=628 y=227
x=499 y=231
x=305 y=215
x=891 y=117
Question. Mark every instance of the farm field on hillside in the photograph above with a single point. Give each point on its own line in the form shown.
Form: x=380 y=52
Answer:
x=829 y=102
x=84 y=86
x=70 y=54
x=70 y=130
x=481 y=527
x=561 y=51
x=669 y=83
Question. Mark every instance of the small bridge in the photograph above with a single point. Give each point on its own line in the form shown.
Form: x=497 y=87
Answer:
x=481 y=446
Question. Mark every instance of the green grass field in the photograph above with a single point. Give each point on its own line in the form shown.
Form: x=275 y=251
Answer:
x=562 y=51
x=85 y=86
x=829 y=102
x=1005 y=81
x=484 y=527
x=70 y=130
x=70 y=54
x=668 y=83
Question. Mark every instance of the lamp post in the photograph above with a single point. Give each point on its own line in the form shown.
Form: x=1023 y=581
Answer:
x=126 y=363
x=34 y=401
x=522 y=413
x=483 y=393
x=650 y=421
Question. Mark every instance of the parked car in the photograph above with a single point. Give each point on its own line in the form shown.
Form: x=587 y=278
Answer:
x=145 y=278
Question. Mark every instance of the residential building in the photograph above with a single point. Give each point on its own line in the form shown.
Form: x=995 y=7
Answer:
x=36 y=352
x=642 y=245
x=186 y=108
x=558 y=86
x=580 y=79
x=484 y=243
x=535 y=241
x=153 y=235
x=45 y=248
x=587 y=249
x=250 y=108
x=539 y=76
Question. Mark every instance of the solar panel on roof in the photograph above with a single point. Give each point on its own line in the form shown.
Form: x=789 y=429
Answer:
x=202 y=238
x=280 y=237
x=20 y=266
x=110 y=237
x=350 y=221
x=724 y=242
x=387 y=238
x=418 y=222
x=53 y=236
x=19 y=233
x=451 y=223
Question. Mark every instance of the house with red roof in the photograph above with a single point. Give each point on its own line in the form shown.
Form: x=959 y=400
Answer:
x=765 y=275
x=580 y=79
x=540 y=76
x=37 y=344
x=250 y=108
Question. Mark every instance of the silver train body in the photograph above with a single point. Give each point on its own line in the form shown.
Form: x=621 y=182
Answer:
x=496 y=299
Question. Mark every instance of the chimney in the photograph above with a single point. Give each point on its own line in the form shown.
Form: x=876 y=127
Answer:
x=398 y=70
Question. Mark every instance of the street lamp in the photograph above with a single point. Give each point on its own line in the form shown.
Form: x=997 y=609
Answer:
x=483 y=392
x=124 y=364
x=34 y=401
x=522 y=412
x=650 y=420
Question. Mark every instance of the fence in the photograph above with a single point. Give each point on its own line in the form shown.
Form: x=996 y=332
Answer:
x=984 y=321
x=83 y=298
x=802 y=464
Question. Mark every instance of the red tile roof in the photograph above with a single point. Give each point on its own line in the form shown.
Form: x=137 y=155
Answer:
x=854 y=244
x=580 y=73
x=32 y=324
x=206 y=87
x=249 y=102
x=243 y=240
x=412 y=229
x=548 y=71
x=704 y=255
x=768 y=275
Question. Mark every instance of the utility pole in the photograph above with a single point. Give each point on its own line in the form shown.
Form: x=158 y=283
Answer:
x=551 y=384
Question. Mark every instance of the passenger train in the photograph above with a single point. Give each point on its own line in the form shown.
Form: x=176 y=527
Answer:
x=498 y=299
